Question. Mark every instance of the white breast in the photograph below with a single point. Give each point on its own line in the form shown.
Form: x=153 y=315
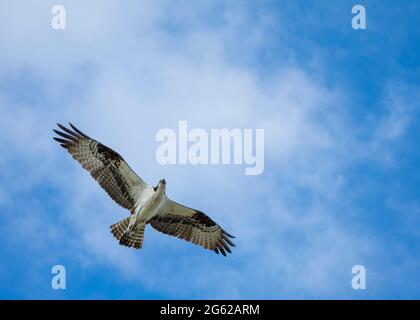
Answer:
x=148 y=205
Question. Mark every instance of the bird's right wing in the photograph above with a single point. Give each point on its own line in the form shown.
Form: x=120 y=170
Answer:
x=105 y=165
x=191 y=225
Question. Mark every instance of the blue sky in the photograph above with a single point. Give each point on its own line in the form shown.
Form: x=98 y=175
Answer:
x=340 y=112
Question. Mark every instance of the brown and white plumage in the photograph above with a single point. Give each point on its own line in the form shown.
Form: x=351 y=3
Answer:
x=147 y=204
x=192 y=225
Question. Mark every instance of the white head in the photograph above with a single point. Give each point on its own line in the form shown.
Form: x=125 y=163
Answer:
x=161 y=187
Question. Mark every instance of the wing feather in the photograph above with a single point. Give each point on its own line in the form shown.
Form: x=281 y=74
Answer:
x=193 y=226
x=105 y=165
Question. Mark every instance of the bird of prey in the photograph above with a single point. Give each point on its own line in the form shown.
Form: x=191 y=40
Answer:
x=147 y=204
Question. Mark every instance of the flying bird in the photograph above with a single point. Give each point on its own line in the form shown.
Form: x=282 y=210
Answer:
x=147 y=204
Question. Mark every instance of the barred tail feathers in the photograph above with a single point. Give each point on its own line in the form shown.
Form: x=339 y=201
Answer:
x=130 y=238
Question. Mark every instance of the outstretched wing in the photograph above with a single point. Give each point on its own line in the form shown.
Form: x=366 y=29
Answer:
x=191 y=225
x=104 y=164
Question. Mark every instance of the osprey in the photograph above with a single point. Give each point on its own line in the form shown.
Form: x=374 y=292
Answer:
x=147 y=204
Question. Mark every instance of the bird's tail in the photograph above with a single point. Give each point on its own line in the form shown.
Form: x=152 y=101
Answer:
x=130 y=238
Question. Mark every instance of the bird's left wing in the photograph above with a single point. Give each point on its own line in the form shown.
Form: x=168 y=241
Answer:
x=105 y=165
x=191 y=225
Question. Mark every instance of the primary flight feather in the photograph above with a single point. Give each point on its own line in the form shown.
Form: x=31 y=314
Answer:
x=147 y=204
